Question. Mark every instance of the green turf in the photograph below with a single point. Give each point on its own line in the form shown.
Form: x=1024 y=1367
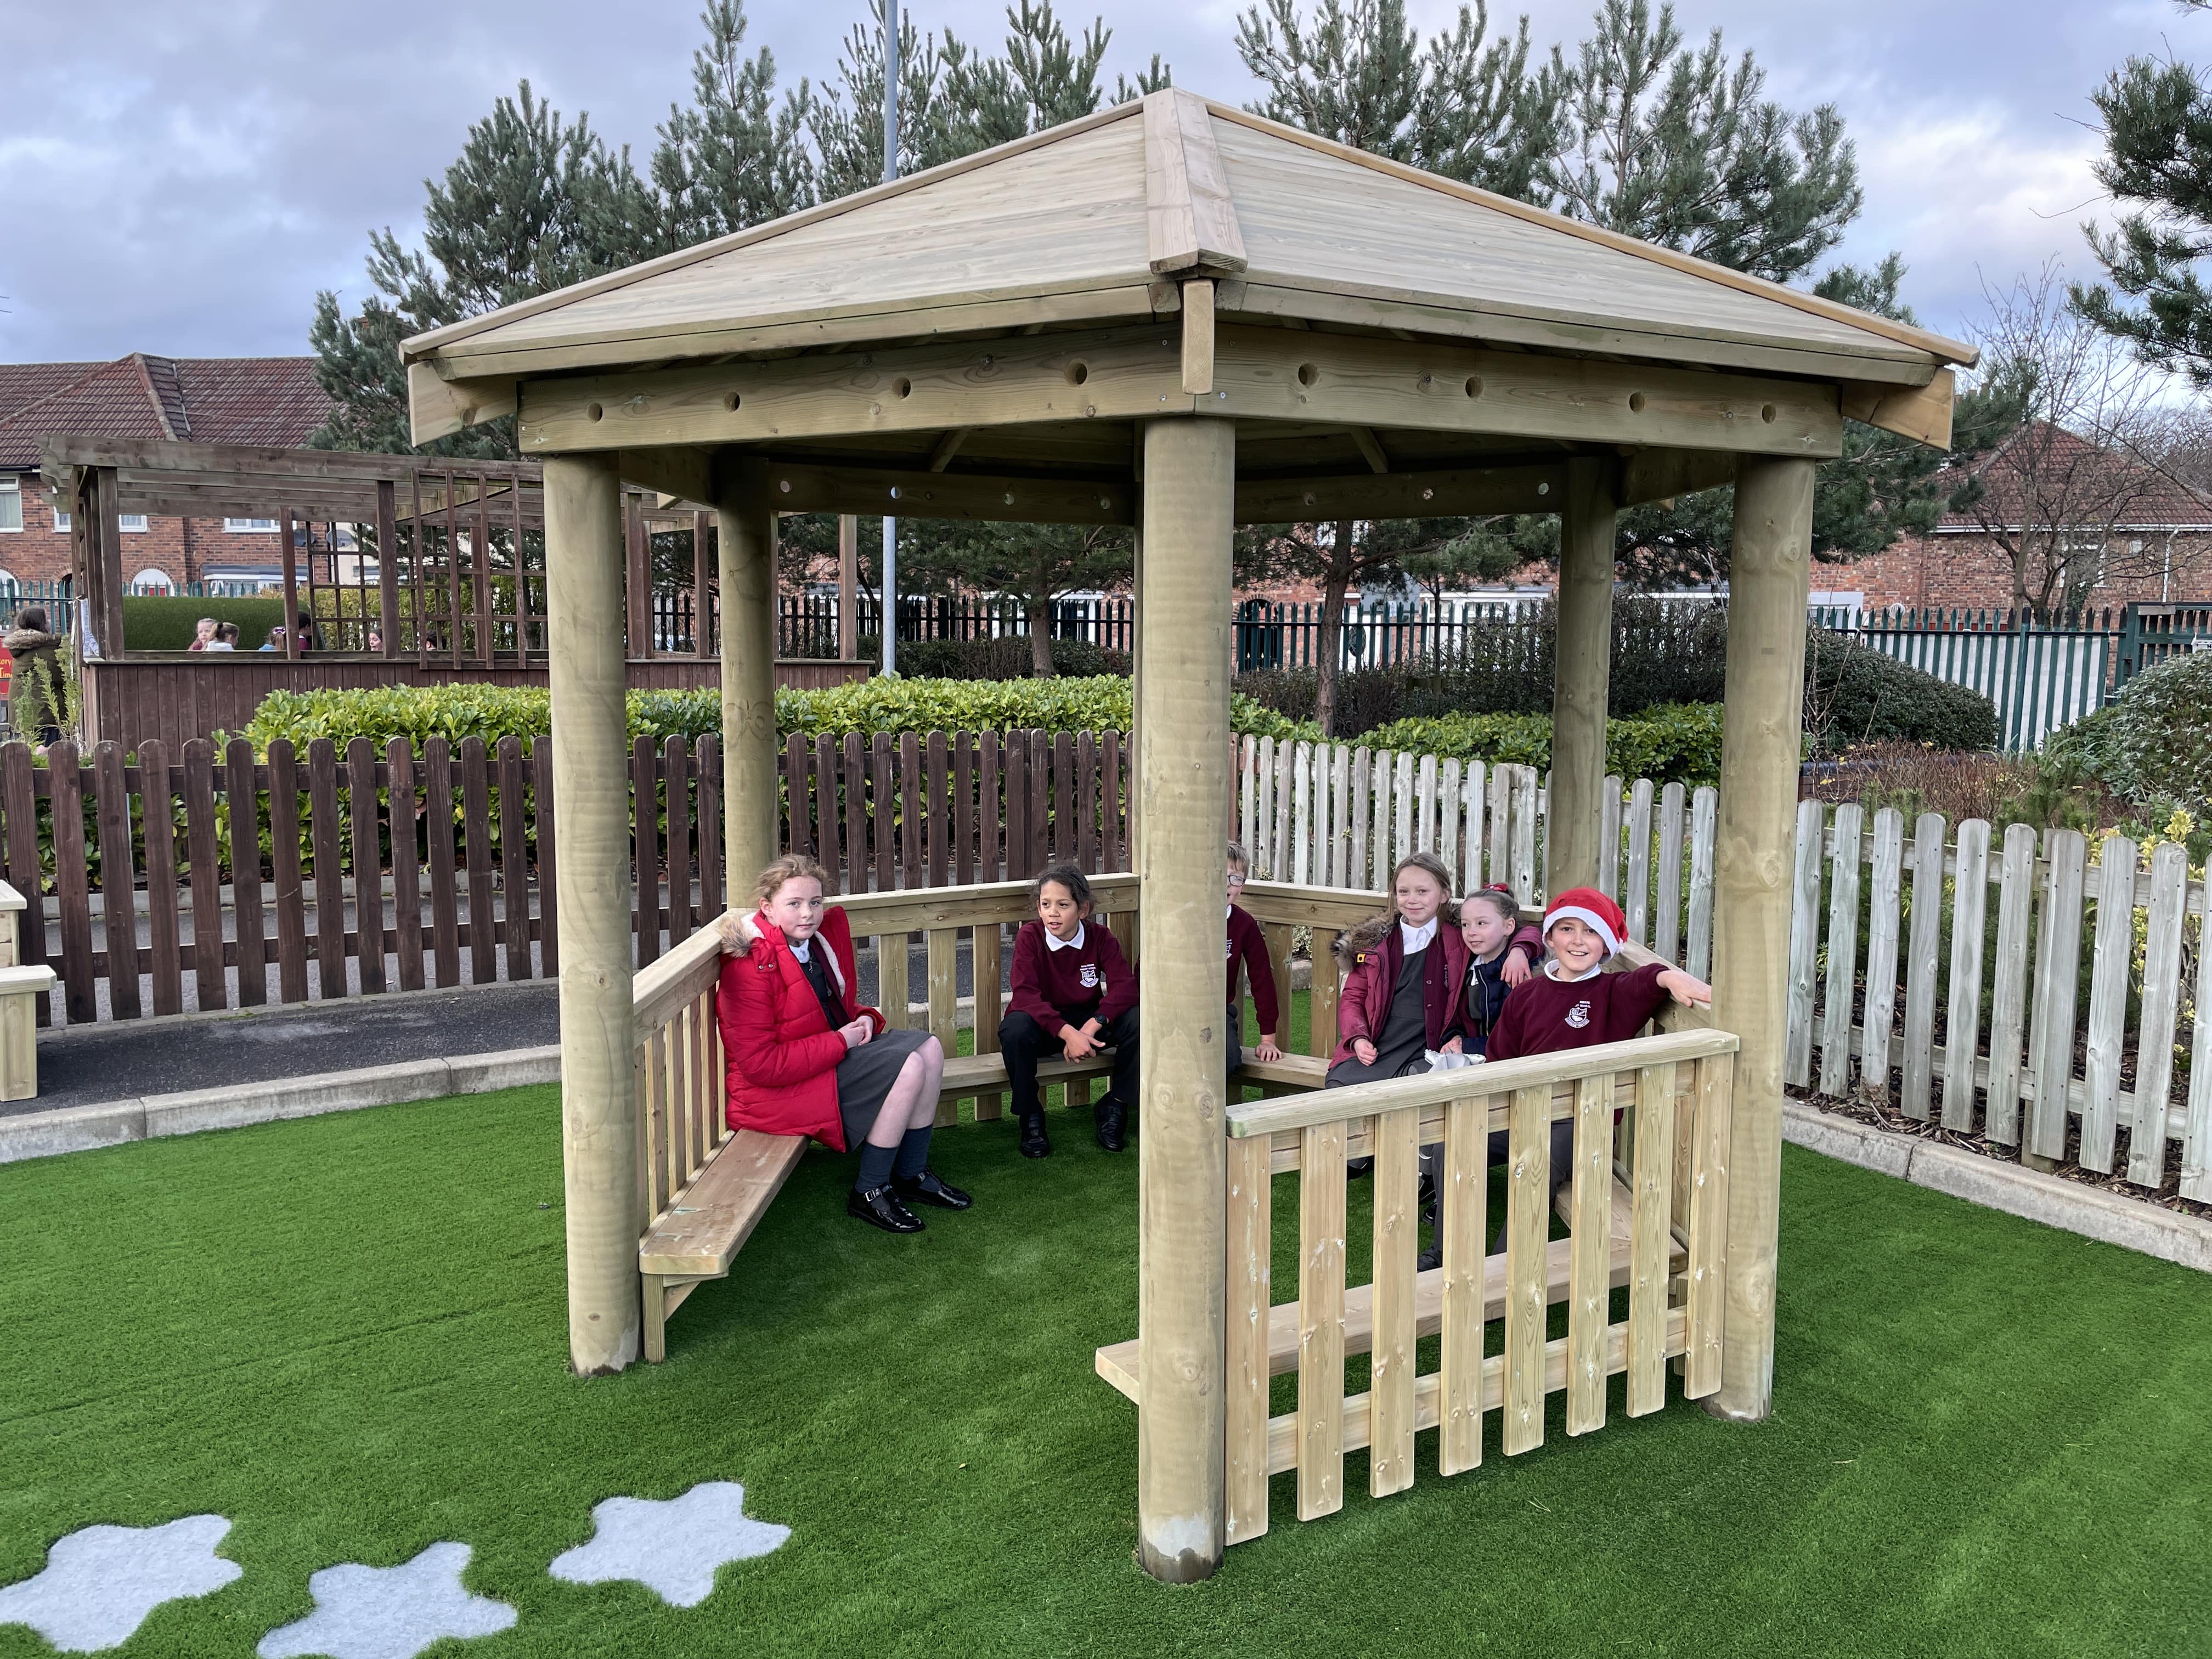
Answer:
x=347 y=1334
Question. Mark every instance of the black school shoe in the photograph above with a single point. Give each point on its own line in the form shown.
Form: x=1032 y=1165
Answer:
x=1113 y=1121
x=1035 y=1143
x=927 y=1188
x=879 y=1208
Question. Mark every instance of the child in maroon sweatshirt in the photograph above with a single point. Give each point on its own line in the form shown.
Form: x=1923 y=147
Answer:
x=1074 y=991
x=1575 y=1004
x=1248 y=948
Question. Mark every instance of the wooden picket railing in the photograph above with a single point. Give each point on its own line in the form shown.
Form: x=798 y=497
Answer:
x=2040 y=976
x=1647 y=1209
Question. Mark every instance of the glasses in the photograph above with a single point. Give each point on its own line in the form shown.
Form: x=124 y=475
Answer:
x=1235 y=879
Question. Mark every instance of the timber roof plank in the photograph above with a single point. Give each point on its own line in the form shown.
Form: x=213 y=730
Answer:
x=1091 y=215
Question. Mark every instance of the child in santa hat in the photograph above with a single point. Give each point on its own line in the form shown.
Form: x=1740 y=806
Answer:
x=1575 y=1004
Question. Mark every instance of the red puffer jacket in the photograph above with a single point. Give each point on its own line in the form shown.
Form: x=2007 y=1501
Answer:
x=783 y=1053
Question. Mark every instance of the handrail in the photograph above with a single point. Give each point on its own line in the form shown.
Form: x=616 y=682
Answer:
x=666 y=984
x=1268 y=1117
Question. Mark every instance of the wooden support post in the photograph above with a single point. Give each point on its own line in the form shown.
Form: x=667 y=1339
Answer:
x=848 y=588
x=1189 y=484
x=604 y=1182
x=289 y=548
x=1764 y=695
x=387 y=567
x=749 y=763
x=638 y=586
x=1580 y=671
x=702 y=592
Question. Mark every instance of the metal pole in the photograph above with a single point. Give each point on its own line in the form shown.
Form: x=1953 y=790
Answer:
x=890 y=172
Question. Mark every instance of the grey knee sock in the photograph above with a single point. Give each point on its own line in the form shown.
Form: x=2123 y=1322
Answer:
x=875 y=1167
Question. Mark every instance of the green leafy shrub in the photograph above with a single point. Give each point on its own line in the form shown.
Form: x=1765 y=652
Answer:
x=160 y=623
x=1678 y=741
x=1100 y=703
x=2153 y=743
x=1854 y=695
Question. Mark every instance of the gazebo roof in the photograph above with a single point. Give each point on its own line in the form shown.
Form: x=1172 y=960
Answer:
x=1091 y=223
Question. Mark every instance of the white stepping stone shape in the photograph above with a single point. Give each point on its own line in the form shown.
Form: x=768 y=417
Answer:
x=389 y=1613
x=672 y=1545
x=99 y=1584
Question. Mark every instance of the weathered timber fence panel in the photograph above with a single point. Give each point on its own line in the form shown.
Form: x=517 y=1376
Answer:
x=443 y=862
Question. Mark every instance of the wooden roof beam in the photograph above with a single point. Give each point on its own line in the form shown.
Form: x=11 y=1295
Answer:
x=1190 y=219
x=1370 y=449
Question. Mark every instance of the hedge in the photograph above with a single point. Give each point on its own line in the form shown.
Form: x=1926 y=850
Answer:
x=1854 y=694
x=2153 y=743
x=895 y=705
x=1674 y=742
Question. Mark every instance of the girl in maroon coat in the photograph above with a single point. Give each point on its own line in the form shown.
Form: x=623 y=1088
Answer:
x=1074 y=991
x=805 y=1058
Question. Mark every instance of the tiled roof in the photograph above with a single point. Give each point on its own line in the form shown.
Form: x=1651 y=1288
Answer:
x=2043 y=471
x=27 y=383
x=270 y=401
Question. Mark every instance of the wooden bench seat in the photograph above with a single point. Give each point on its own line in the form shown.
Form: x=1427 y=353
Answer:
x=1117 y=1365
x=708 y=1223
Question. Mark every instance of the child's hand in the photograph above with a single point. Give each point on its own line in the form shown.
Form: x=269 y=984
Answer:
x=1267 y=1050
x=1516 y=968
x=1451 y=1046
x=1077 y=1044
x=1691 y=993
x=858 y=1032
x=1363 y=1051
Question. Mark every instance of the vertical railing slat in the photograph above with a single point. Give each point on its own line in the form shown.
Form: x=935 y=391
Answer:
x=1320 y=1319
x=1970 y=898
x=2108 y=1001
x=2161 y=1005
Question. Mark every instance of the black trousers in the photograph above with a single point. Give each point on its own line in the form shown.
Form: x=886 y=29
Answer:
x=1024 y=1042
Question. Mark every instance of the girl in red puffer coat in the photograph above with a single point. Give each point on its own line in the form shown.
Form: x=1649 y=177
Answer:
x=805 y=1058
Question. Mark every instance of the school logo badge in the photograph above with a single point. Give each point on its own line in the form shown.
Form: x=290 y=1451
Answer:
x=1579 y=1016
x=1228 y=948
x=1090 y=977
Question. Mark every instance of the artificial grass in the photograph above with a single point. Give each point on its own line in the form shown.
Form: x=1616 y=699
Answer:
x=347 y=1334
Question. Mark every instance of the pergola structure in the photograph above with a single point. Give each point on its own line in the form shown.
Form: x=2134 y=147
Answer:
x=1177 y=316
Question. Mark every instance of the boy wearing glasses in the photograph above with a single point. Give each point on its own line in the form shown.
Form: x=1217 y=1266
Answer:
x=1248 y=947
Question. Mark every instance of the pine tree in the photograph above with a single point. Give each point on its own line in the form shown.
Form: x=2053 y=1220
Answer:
x=1358 y=72
x=2158 y=152
x=734 y=158
x=1678 y=147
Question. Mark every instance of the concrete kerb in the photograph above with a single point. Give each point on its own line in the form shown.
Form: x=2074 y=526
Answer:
x=79 y=1128
x=2168 y=1235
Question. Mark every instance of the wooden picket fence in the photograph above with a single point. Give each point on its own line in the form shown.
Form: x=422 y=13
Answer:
x=2047 y=985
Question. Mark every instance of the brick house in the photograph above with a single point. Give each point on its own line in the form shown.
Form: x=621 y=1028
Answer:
x=2096 y=528
x=272 y=402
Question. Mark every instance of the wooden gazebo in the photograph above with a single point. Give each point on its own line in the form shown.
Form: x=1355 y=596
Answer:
x=1177 y=316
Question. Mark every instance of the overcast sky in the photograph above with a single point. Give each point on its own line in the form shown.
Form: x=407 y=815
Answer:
x=185 y=175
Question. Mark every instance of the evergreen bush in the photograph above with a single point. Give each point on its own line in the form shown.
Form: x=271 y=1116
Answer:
x=1854 y=694
x=2153 y=743
x=1675 y=742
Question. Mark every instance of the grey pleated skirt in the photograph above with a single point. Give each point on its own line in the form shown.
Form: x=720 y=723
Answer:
x=865 y=1076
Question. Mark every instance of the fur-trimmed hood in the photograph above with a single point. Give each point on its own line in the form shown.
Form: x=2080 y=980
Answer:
x=741 y=931
x=1350 y=946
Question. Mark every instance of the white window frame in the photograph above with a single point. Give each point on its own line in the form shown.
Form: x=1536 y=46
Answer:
x=63 y=523
x=11 y=486
x=131 y=524
x=140 y=586
x=250 y=527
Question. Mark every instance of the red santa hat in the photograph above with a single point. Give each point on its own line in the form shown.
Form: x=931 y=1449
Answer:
x=1592 y=908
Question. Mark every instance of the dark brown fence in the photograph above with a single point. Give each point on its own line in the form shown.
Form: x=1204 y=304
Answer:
x=444 y=862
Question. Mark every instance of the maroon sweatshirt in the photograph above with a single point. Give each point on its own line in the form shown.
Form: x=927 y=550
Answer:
x=1543 y=1015
x=1249 y=945
x=1069 y=986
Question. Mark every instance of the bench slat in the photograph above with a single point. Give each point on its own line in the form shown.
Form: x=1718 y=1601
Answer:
x=710 y=1220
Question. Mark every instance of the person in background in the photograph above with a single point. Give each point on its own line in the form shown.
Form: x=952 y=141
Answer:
x=806 y=1059
x=276 y=640
x=376 y=641
x=226 y=637
x=1502 y=953
x=306 y=629
x=203 y=633
x=1248 y=947
x=39 y=694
